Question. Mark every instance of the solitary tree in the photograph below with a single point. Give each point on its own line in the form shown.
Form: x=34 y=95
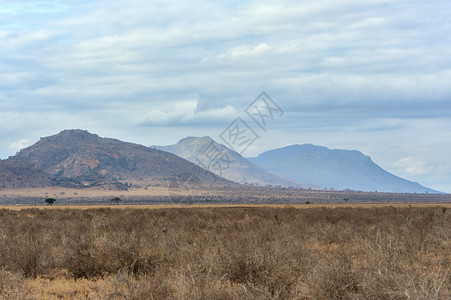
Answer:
x=50 y=201
x=116 y=200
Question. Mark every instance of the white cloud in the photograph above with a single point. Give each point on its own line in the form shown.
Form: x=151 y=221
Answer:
x=246 y=52
x=186 y=112
x=414 y=166
x=22 y=143
x=370 y=22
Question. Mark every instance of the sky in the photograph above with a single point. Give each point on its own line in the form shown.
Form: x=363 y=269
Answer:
x=373 y=76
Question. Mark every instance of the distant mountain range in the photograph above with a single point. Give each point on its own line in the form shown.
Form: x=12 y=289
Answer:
x=77 y=158
x=224 y=162
x=337 y=169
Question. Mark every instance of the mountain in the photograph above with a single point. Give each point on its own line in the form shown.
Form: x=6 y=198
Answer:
x=337 y=169
x=77 y=158
x=17 y=173
x=222 y=161
x=85 y=156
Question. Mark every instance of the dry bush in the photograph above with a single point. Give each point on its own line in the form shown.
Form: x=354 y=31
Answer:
x=12 y=285
x=226 y=253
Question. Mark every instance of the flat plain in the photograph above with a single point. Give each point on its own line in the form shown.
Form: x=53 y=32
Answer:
x=194 y=195
x=278 y=251
x=194 y=206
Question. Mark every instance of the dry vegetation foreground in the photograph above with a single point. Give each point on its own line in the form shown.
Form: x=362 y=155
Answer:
x=226 y=253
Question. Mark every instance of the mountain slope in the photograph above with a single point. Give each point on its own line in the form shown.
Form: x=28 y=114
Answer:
x=226 y=163
x=338 y=169
x=80 y=154
x=17 y=173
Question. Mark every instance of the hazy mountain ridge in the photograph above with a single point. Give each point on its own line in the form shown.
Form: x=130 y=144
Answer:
x=337 y=169
x=231 y=166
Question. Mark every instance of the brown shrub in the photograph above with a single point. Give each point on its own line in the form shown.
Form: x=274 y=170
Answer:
x=226 y=253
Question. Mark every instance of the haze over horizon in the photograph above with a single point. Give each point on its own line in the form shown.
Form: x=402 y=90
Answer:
x=372 y=76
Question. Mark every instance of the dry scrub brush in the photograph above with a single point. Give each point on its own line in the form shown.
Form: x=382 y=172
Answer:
x=226 y=253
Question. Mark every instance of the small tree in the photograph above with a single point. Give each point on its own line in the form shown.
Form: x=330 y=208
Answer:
x=50 y=201
x=116 y=200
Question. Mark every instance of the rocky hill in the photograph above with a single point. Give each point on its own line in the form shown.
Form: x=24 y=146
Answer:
x=78 y=155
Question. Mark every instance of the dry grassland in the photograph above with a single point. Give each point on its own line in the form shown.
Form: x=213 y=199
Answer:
x=226 y=252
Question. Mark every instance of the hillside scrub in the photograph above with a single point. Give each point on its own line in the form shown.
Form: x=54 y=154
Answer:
x=226 y=253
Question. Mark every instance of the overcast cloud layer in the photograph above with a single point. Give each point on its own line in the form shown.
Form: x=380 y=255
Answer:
x=368 y=75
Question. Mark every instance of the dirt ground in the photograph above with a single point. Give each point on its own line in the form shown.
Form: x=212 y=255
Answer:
x=157 y=197
x=164 y=206
x=89 y=193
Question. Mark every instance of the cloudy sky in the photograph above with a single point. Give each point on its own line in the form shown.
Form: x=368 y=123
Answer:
x=368 y=75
